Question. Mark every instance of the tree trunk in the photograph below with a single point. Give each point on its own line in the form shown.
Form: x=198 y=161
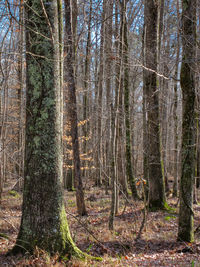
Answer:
x=86 y=103
x=156 y=183
x=20 y=96
x=69 y=82
x=185 y=229
x=108 y=74
x=44 y=223
x=129 y=165
x=145 y=123
x=100 y=99
x=175 y=171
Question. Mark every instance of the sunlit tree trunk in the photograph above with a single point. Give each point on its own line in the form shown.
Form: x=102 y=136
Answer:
x=175 y=171
x=129 y=165
x=114 y=130
x=122 y=178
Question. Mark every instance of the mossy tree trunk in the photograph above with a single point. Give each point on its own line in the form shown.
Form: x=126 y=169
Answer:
x=44 y=223
x=156 y=182
x=185 y=229
x=69 y=79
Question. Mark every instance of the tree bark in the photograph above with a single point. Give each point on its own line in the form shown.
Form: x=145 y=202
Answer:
x=44 y=223
x=156 y=183
x=108 y=83
x=100 y=99
x=129 y=165
x=175 y=171
x=185 y=227
x=70 y=86
x=86 y=102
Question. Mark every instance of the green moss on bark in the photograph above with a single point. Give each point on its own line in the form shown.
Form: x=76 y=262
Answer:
x=44 y=223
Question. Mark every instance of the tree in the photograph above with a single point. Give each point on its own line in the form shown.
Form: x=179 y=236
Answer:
x=44 y=223
x=72 y=110
x=86 y=99
x=129 y=167
x=108 y=84
x=20 y=97
x=188 y=32
x=156 y=183
x=176 y=74
x=99 y=153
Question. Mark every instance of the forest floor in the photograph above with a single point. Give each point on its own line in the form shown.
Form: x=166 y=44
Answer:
x=157 y=245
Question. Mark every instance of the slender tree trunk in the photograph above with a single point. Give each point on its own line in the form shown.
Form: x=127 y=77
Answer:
x=113 y=177
x=86 y=91
x=120 y=108
x=72 y=109
x=185 y=228
x=145 y=123
x=198 y=106
x=19 y=165
x=198 y=153
x=175 y=171
x=108 y=73
x=129 y=166
x=100 y=99
x=156 y=183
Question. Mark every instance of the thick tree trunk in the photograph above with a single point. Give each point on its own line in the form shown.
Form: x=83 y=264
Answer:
x=185 y=229
x=43 y=222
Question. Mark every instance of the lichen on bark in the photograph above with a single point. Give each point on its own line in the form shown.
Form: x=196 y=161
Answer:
x=44 y=222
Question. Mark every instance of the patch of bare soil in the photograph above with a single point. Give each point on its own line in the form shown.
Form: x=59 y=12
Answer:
x=157 y=245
